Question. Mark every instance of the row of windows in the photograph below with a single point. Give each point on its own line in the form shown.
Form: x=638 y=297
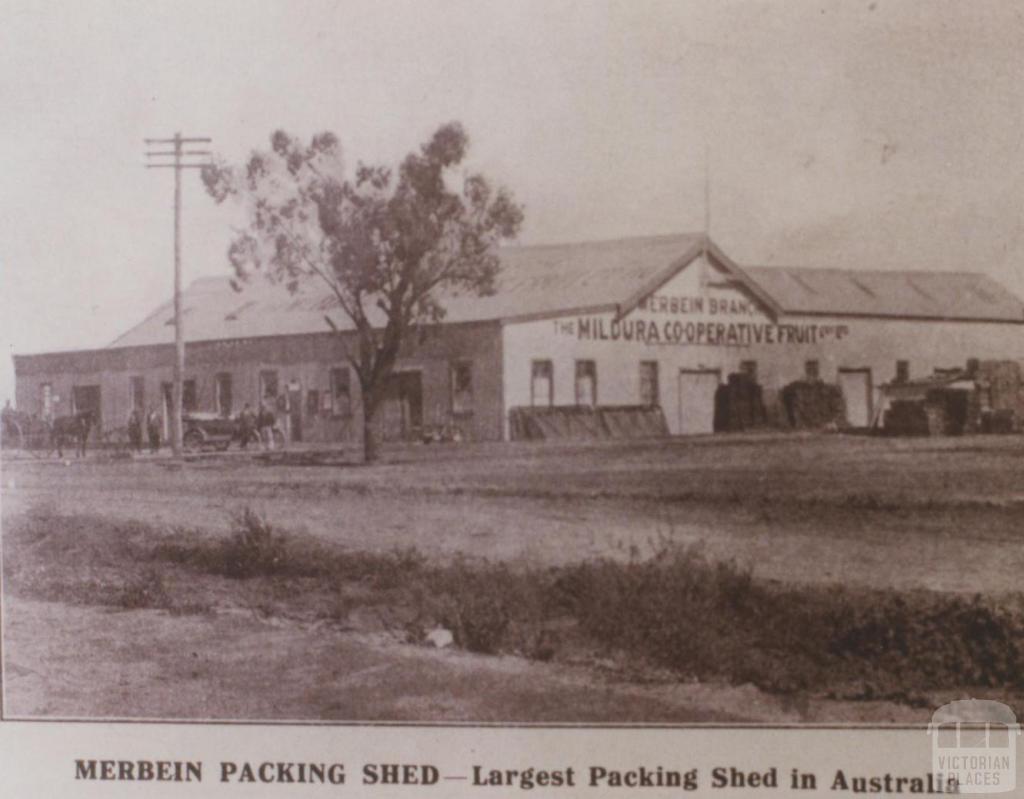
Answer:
x=542 y=384
x=542 y=390
x=335 y=401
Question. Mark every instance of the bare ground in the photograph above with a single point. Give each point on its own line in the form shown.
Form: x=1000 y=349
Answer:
x=945 y=515
x=242 y=667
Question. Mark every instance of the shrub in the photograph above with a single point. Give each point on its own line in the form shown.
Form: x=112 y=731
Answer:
x=147 y=591
x=472 y=602
x=677 y=610
x=253 y=549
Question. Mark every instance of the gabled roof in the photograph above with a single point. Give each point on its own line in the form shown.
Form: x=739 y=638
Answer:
x=613 y=276
x=731 y=274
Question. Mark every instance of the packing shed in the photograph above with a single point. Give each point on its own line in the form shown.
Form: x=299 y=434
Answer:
x=630 y=337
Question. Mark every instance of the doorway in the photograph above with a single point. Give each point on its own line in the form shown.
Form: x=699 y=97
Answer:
x=400 y=415
x=697 y=389
x=87 y=398
x=856 y=387
x=295 y=411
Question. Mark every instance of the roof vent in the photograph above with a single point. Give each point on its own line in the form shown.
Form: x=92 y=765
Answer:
x=862 y=287
x=920 y=290
x=801 y=283
x=978 y=291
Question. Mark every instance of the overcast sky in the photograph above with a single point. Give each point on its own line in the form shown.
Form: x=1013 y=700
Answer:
x=873 y=133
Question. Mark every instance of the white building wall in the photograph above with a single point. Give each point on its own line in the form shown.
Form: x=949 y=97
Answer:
x=717 y=327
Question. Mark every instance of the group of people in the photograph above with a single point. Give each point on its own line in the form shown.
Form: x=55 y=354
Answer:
x=261 y=424
x=153 y=425
x=251 y=426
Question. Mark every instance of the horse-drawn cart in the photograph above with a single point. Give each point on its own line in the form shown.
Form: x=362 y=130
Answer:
x=22 y=432
x=212 y=431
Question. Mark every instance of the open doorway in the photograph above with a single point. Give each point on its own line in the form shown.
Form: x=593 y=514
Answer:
x=400 y=415
x=87 y=398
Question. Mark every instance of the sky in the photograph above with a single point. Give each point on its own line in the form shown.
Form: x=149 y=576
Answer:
x=859 y=134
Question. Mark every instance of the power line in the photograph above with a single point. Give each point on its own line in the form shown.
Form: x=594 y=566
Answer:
x=177 y=154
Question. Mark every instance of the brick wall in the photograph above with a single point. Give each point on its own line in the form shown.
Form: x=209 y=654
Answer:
x=304 y=361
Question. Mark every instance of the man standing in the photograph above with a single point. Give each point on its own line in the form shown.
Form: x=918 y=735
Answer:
x=246 y=425
x=153 y=429
x=266 y=422
x=135 y=430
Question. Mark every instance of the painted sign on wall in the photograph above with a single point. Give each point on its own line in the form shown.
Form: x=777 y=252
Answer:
x=653 y=332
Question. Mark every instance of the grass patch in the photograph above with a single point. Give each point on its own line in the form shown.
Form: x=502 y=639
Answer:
x=713 y=620
x=676 y=611
x=146 y=591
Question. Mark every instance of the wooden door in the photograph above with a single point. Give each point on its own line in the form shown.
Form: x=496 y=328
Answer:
x=697 y=389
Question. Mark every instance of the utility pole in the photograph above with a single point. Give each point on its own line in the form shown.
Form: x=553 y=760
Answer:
x=704 y=275
x=177 y=164
x=707 y=190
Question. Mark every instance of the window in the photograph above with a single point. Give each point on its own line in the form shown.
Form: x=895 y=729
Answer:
x=268 y=385
x=46 y=400
x=542 y=387
x=462 y=387
x=137 y=393
x=586 y=383
x=811 y=370
x=189 y=398
x=649 y=383
x=902 y=371
x=223 y=398
x=749 y=369
x=312 y=402
x=341 y=391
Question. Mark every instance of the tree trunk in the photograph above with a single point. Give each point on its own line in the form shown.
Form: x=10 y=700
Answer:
x=369 y=438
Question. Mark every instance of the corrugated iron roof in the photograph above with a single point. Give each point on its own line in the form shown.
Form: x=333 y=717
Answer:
x=916 y=294
x=551 y=279
x=535 y=280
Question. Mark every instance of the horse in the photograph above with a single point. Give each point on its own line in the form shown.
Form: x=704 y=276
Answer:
x=74 y=428
x=12 y=428
x=20 y=430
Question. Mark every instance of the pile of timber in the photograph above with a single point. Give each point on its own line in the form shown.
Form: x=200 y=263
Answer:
x=1004 y=381
x=739 y=404
x=813 y=405
x=584 y=422
x=907 y=418
x=943 y=411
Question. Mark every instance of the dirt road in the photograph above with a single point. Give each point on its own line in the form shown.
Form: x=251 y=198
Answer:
x=941 y=514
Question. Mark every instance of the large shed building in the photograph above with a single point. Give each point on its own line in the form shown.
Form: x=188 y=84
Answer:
x=655 y=321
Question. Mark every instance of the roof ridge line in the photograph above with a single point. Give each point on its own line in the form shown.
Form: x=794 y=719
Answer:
x=854 y=270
